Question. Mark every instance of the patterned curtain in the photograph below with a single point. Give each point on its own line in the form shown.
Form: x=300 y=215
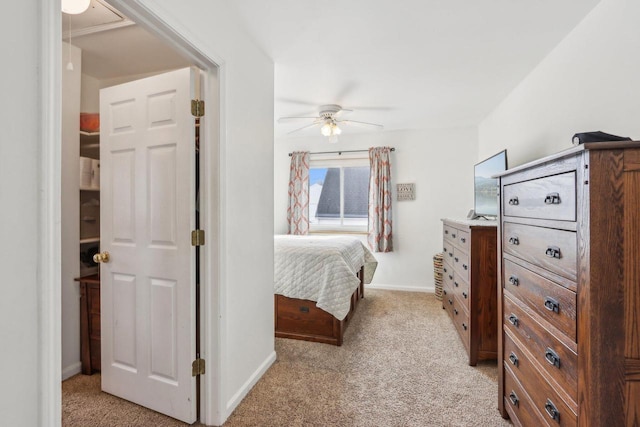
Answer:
x=298 y=209
x=380 y=236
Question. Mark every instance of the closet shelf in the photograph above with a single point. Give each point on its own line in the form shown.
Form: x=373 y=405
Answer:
x=90 y=240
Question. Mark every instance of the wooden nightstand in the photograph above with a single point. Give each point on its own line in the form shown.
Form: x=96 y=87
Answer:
x=90 y=323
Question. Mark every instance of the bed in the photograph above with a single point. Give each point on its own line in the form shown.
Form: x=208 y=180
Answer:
x=319 y=281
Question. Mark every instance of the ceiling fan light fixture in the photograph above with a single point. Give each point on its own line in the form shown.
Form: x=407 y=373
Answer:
x=336 y=129
x=75 y=7
x=326 y=129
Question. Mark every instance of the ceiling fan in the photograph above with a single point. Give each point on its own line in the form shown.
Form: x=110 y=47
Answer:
x=329 y=120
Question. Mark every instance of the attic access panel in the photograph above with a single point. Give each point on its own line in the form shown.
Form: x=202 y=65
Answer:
x=99 y=17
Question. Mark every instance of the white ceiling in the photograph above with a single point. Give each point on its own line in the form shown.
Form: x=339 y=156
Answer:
x=113 y=46
x=407 y=64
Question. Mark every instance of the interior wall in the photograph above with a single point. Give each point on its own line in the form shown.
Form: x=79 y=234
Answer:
x=70 y=215
x=588 y=82
x=19 y=227
x=439 y=162
x=246 y=340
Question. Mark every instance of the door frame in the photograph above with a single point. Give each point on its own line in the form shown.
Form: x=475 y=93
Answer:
x=212 y=170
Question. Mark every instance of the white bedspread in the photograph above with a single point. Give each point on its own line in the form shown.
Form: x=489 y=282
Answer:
x=321 y=269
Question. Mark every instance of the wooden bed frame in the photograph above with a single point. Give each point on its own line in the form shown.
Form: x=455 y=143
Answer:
x=300 y=319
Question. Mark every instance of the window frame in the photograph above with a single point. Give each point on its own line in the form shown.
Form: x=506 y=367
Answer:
x=339 y=162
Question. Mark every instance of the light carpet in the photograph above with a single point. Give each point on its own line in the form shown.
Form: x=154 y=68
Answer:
x=401 y=364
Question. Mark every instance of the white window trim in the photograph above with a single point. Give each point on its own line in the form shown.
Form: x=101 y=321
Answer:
x=339 y=162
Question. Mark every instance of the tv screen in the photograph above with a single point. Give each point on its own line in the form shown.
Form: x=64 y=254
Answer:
x=485 y=187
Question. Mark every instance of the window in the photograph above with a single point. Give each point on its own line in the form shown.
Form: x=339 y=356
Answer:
x=339 y=195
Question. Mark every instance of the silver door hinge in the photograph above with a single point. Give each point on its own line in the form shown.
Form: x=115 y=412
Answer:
x=197 y=367
x=197 y=238
x=197 y=108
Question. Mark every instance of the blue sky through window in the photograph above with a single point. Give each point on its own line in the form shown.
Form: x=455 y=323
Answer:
x=317 y=175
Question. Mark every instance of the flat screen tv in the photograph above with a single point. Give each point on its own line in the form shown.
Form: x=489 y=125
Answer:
x=486 y=188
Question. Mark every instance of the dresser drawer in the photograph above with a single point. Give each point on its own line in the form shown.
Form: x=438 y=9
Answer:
x=447 y=252
x=554 y=250
x=448 y=299
x=461 y=263
x=551 y=197
x=543 y=395
x=461 y=320
x=461 y=289
x=518 y=403
x=558 y=361
x=449 y=233
x=463 y=240
x=552 y=302
x=447 y=274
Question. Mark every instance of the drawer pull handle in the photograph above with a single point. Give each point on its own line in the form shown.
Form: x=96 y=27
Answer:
x=456 y=283
x=455 y=311
x=553 y=252
x=552 y=357
x=513 y=397
x=552 y=199
x=450 y=254
x=513 y=201
x=450 y=301
x=463 y=240
x=551 y=304
x=514 y=240
x=456 y=259
x=464 y=326
x=513 y=359
x=453 y=235
x=446 y=231
x=552 y=411
x=445 y=269
x=464 y=294
x=465 y=266
x=450 y=277
x=513 y=319
x=514 y=280
x=444 y=250
x=444 y=291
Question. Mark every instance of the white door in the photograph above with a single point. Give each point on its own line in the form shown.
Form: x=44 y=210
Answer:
x=147 y=155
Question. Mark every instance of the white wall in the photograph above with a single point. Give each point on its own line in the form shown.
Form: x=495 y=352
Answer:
x=70 y=228
x=588 y=82
x=246 y=263
x=19 y=226
x=439 y=162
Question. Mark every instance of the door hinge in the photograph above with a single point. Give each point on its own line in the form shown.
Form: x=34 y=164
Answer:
x=197 y=238
x=197 y=107
x=197 y=367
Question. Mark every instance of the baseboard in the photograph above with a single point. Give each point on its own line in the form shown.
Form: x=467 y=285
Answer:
x=400 y=288
x=71 y=370
x=247 y=386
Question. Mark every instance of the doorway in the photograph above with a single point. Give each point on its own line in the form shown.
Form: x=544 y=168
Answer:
x=209 y=133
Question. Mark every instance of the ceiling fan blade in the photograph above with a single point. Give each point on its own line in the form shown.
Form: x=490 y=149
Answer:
x=286 y=119
x=297 y=101
x=304 y=127
x=343 y=110
x=360 y=123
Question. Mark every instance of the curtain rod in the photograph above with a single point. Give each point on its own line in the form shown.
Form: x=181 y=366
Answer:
x=343 y=151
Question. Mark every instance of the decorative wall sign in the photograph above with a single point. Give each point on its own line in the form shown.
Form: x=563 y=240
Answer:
x=406 y=191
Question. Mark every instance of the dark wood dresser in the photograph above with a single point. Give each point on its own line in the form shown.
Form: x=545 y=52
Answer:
x=89 y=323
x=469 y=284
x=569 y=289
